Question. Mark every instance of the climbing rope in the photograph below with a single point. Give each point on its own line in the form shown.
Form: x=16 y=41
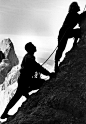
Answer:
x=54 y=49
x=57 y=46
x=50 y=56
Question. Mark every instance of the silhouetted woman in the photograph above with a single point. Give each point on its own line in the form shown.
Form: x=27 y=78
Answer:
x=67 y=31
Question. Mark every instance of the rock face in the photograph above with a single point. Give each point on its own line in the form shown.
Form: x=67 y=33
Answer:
x=8 y=88
x=6 y=46
x=62 y=99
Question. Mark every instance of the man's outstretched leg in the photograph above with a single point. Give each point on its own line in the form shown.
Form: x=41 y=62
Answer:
x=12 y=102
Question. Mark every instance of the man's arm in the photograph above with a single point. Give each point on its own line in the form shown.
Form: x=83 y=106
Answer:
x=41 y=69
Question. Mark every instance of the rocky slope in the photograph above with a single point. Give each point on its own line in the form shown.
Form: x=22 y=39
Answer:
x=9 y=72
x=8 y=88
x=11 y=60
x=62 y=99
x=7 y=47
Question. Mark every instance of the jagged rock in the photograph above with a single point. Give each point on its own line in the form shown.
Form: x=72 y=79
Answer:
x=62 y=99
x=6 y=46
x=8 y=88
x=4 y=69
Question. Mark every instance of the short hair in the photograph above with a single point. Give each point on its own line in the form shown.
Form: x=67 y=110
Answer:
x=29 y=47
x=74 y=7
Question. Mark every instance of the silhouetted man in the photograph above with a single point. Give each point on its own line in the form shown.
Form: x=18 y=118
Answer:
x=26 y=82
x=67 y=31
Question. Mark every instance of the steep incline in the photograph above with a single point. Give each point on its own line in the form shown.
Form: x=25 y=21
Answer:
x=62 y=99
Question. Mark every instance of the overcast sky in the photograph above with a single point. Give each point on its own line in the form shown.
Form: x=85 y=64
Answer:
x=36 y=21
x=29 y=17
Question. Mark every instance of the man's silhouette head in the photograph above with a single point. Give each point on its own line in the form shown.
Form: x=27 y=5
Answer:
x=74 y=7
x=30 y=48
